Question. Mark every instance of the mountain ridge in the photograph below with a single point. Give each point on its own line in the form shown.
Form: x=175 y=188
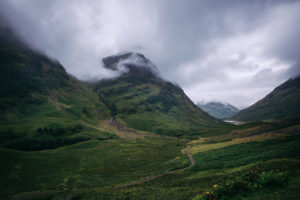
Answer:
x=44 y=107
x=282 y=102
x=41 y=105
x=145 y=101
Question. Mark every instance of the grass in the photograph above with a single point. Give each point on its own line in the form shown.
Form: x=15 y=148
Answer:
x=153 y=105
x=243 y=154
x=94 y=163
x=201 y=146
x=89 y=169
x=109 y=157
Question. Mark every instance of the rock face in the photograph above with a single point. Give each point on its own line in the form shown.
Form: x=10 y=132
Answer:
x=116 y=124
x=282 y=102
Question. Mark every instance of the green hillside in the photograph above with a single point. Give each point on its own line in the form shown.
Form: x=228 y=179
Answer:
x=282 y=102
x=219 y=110
x=41 y=105
x=250 y=163
x=147 y=102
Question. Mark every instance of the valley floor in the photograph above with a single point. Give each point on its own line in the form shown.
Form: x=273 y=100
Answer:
x=251 y=162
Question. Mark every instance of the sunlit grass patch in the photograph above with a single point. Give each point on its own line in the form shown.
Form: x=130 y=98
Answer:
x=206 y=144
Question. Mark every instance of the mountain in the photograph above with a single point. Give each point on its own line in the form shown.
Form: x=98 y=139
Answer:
x=142 y=99
x=59 y=137
x=218 y=110
x=283 y=102
x=41 y=105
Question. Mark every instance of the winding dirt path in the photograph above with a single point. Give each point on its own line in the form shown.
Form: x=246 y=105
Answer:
x=150 y=178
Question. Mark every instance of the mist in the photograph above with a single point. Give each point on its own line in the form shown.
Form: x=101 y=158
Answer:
x=229 y=51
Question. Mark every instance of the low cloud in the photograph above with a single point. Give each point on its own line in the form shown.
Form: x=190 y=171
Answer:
x=233 y=51
x=123 y=62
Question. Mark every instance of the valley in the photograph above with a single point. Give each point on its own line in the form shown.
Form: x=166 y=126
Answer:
x=157 y=166
x=136 y=135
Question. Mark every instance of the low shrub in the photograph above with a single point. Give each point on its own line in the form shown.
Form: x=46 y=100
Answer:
x=247 y=181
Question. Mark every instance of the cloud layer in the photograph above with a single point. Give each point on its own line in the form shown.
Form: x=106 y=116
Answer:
x=232 y=51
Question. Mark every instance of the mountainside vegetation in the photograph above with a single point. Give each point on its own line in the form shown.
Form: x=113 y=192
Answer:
x=147 y=102
x=283 y=102
x=41 y=105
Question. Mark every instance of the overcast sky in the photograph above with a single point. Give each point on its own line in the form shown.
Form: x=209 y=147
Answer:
x=233 y=51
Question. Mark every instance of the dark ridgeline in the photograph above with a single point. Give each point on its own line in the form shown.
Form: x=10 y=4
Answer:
x=282 y=103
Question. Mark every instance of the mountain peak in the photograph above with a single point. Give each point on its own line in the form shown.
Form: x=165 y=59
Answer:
x=218 y=109
x=131 y=63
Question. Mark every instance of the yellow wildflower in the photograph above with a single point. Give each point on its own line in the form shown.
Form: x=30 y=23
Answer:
x=207 y=192
x=215 y=186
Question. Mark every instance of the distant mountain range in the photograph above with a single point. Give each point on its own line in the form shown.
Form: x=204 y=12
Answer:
x=218 y=109
x=283 y=102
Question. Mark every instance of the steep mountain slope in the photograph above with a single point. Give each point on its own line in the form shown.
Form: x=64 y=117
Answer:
x=147 y=102
x=282 y=102
x=38 y=99
x=218 y=110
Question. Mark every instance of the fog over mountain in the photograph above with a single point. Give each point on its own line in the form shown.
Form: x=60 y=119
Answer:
x=231 y=51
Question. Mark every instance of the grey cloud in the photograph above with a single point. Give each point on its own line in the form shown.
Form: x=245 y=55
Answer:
x=294 y=71
x=220 y=48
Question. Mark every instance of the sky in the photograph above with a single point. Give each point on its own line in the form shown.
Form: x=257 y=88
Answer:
x=234 y=51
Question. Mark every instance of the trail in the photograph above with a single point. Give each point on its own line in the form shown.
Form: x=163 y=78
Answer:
x=150 y=178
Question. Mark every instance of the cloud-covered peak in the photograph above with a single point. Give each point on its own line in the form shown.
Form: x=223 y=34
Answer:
x=131 y=63
x=215 y=50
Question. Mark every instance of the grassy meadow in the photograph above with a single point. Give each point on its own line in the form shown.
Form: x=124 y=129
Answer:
x=253 y=161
